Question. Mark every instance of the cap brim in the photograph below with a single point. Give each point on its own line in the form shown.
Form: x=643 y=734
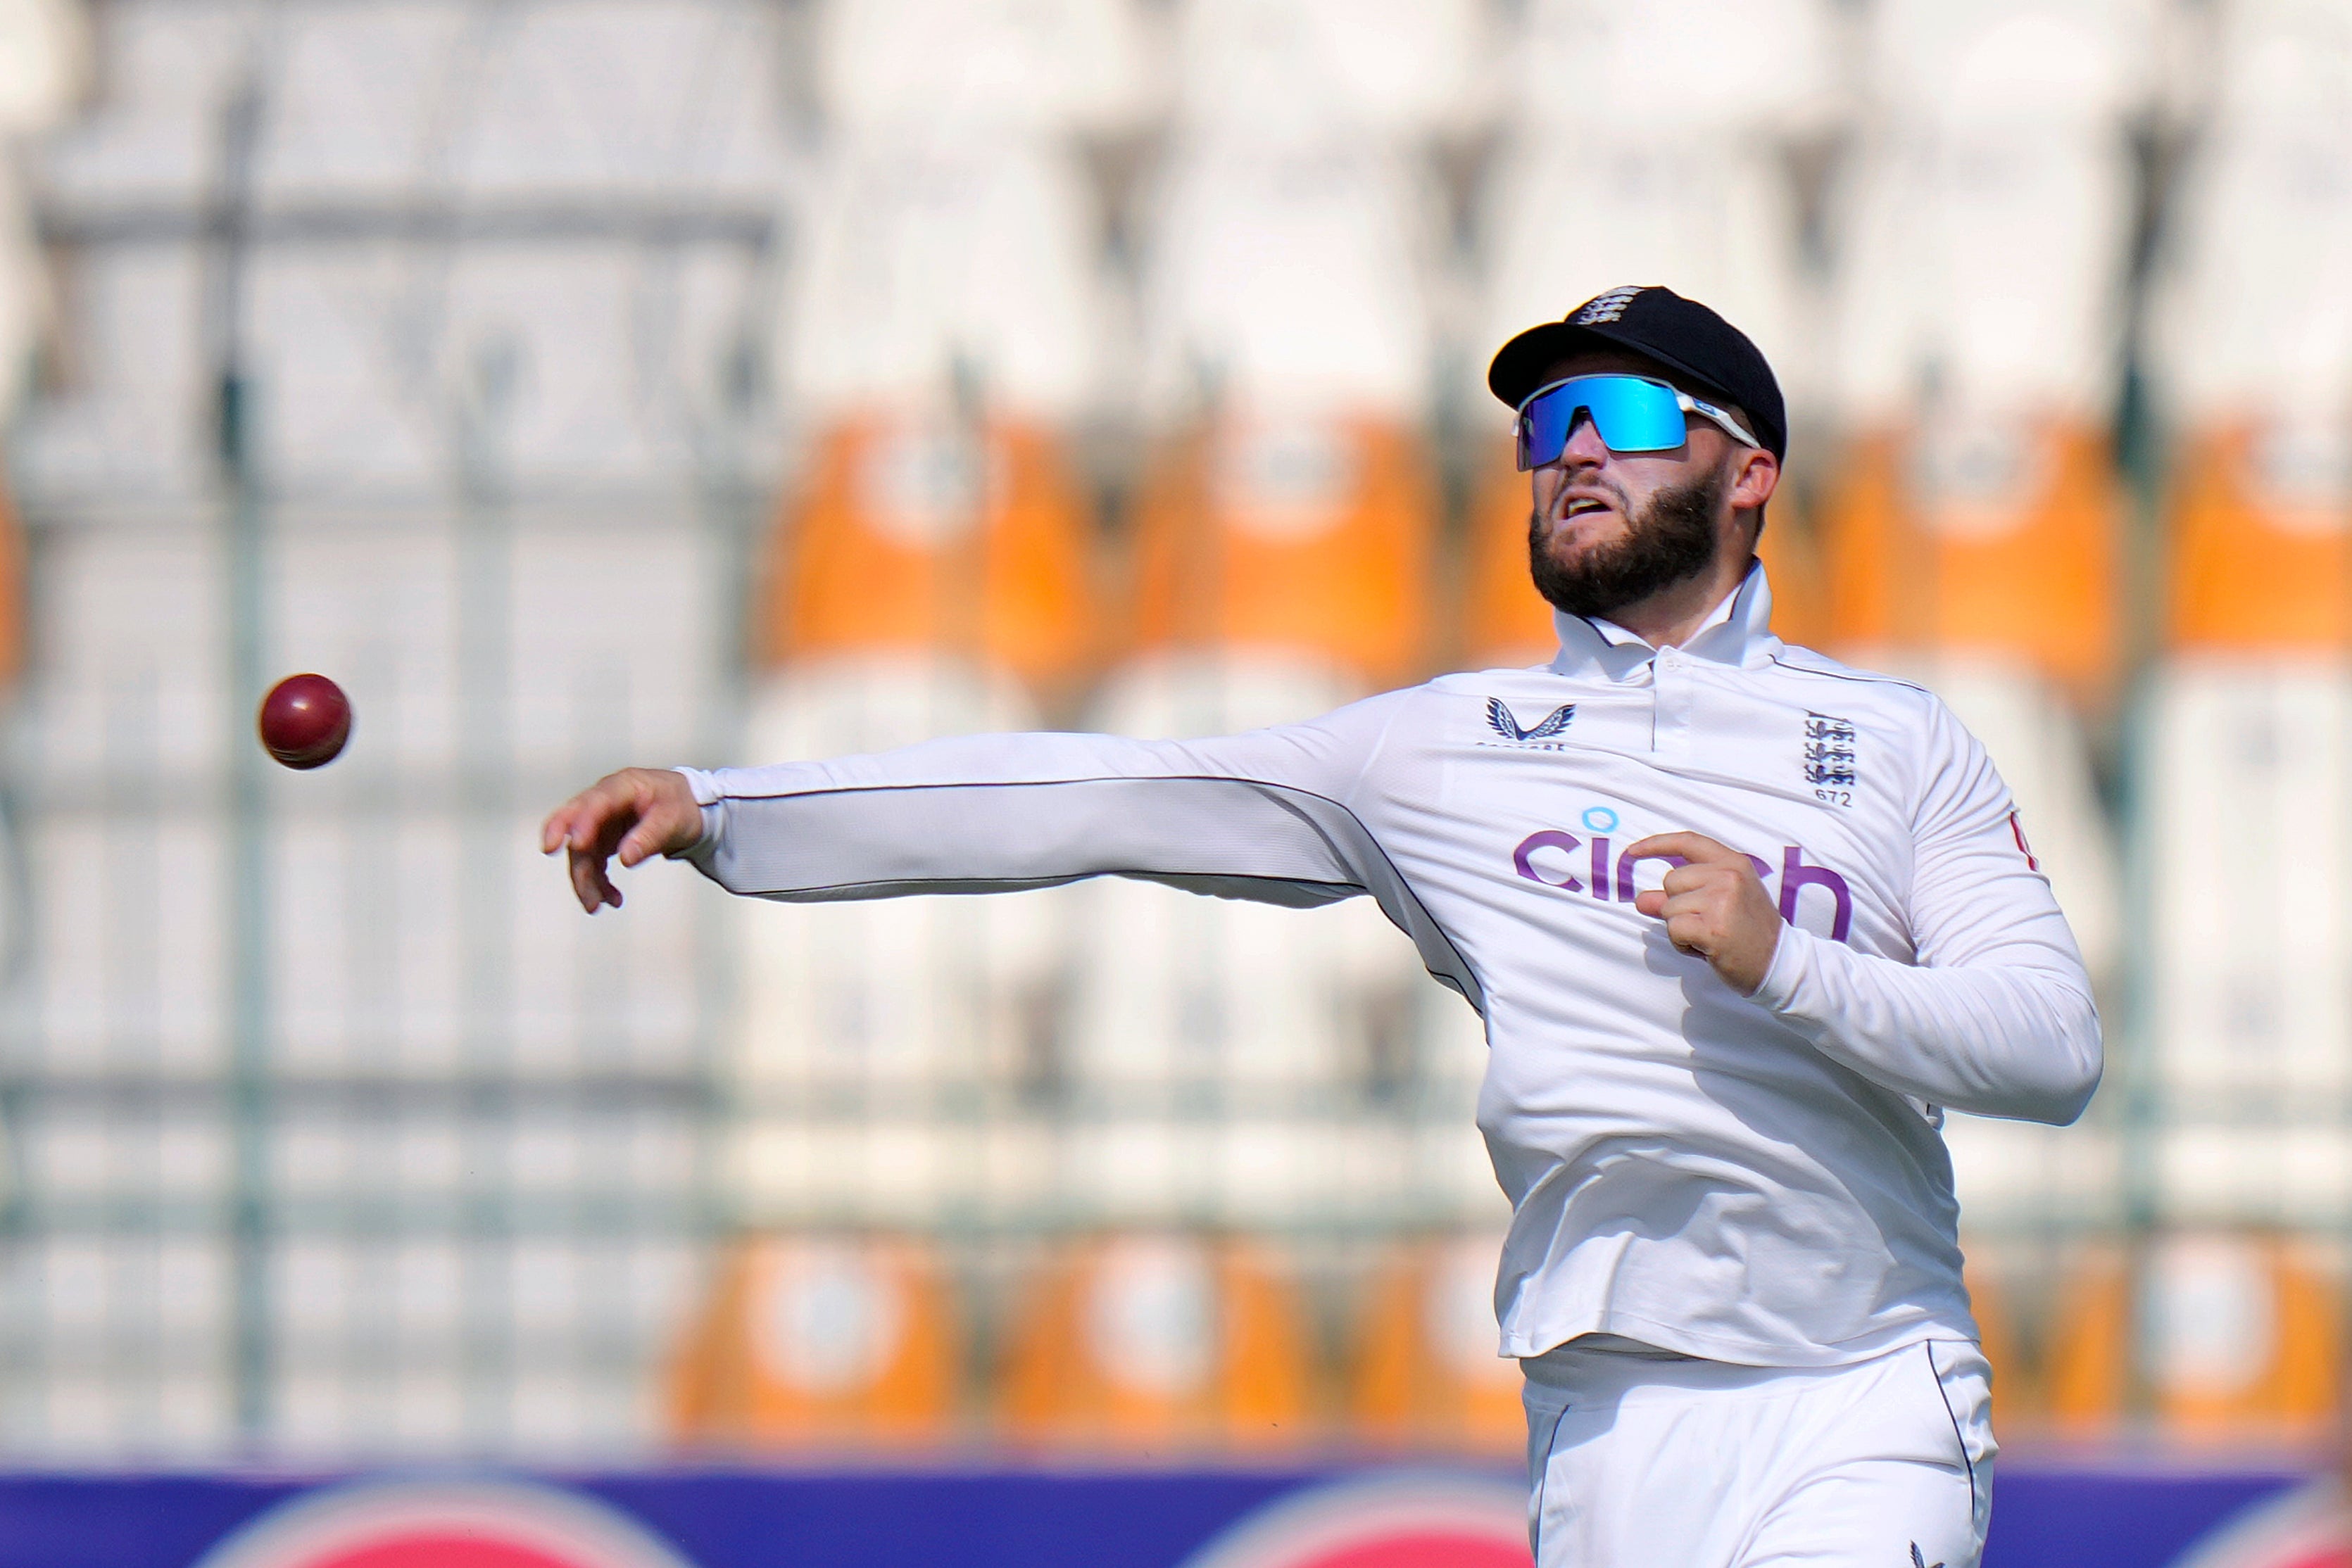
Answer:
x=1521 y=365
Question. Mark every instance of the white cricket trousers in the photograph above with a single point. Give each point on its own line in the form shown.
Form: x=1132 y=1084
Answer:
x=1637 y=1462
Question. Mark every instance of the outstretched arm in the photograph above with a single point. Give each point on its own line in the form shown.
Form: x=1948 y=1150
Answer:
x=1265 y=816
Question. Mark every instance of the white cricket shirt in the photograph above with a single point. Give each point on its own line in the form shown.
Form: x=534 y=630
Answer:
x=1751 y=1179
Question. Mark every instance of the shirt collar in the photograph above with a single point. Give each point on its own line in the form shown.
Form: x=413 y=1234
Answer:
x=1736 y=632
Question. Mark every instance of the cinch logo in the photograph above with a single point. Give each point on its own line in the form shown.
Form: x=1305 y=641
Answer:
x=1610 y=874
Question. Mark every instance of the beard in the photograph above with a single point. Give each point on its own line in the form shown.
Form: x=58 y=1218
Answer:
x=1672 y=541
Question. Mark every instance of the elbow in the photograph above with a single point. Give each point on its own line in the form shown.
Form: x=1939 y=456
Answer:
x=2077 y=1057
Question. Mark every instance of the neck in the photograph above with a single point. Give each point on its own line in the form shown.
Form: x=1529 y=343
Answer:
x=1671 y=616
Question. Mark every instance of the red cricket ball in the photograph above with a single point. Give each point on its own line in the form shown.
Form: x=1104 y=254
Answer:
x=305 y=720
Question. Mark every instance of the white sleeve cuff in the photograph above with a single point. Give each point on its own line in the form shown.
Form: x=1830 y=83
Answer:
x=1791 y=959
x=706 y=795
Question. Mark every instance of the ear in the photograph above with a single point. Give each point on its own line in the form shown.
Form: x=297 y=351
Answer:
x=1755 y=475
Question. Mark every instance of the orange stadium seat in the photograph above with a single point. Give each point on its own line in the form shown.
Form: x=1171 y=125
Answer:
x=1162 y=1345
x=911 y=535
x=1506 y=622
x=1302 y=536
x=2229 y=1337
x=2246 y=1338
x=13 y=630
x=2258 y=563
x=821 y=1342
x=1427 y=1375
x=2013 y=551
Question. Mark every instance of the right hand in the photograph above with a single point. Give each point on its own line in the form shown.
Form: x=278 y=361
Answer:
x=637 y=814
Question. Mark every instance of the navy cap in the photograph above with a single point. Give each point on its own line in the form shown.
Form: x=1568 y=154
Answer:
x=1711 y=355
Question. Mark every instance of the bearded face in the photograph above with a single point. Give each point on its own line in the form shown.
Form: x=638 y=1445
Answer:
x=1670 y=541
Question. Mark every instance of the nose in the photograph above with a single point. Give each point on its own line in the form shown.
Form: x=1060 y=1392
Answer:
x=1584 y=449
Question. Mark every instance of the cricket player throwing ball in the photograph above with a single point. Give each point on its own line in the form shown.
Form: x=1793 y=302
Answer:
x=1742 y=922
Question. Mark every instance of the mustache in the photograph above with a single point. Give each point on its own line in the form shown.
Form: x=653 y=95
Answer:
x=1550 y=512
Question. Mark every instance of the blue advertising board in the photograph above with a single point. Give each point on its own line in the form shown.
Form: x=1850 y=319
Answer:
x=1318 y=1518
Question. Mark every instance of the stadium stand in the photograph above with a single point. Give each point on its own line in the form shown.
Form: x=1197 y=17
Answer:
x=2249 y=1030
x=1168 y=1344
x=2250 y=341
x=924 y=533
x=1051 y=70
x=2211 y=1336
x=1219 y=1055
x=823 y=1344
x=1308 y=73
x=1985 y=227
x=861 y=1090
x=1426 y=1375
x=363 y=1079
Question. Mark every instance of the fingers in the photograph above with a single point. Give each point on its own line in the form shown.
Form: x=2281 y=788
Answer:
x=636 y=814
x=1695 y=848
x=590 y=884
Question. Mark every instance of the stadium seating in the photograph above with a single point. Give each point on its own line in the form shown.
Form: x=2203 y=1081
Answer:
x=1996 y=540
x=1219 y=1053
x=884 y=66
x=1304 y=540
x=620 y=100
x=1985 y=228
x=2218 y=1336
x=861 y=1093
x=2244 y=1338
x=1309 y=72
x=821 y=1343
x=1427 y=1375
x=2038 y=744
x=2244 y=768
x=2250 y=339
x=1166 y=1344
x=916 y=535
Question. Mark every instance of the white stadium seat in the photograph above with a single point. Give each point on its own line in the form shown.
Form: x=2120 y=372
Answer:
x=873 y=1037
x=1985 y=224
x=2244 y=770
x=1289 y=279
x=1696 y=66
x=366 y=103
x=128 y=1338
x=135 y=416
x=987 y=64
x=2251 y=315
x=931 y=259
x=2037 y=742
x=1304 y=72
x=167 y=71
x=1219 y=1052
x=646 y=99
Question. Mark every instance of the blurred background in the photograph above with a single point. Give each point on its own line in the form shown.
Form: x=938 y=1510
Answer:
x=584 y=382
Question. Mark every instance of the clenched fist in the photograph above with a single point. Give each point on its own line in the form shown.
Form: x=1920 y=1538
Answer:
x=637 y=814
x=1714 y=906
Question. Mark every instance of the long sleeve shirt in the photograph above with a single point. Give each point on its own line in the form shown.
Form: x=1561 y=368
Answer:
x=1758 y=1179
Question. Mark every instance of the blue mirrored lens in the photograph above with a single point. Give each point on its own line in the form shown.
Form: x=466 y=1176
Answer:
x=1633 y=414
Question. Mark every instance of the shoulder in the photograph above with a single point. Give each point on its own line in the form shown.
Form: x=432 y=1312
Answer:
x=1511 y=680
x=1884 y=696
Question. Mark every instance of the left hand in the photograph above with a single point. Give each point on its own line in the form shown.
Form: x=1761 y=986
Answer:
x=1714 y=906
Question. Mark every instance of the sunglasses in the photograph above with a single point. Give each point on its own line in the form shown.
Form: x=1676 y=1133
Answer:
x=1633 y=414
